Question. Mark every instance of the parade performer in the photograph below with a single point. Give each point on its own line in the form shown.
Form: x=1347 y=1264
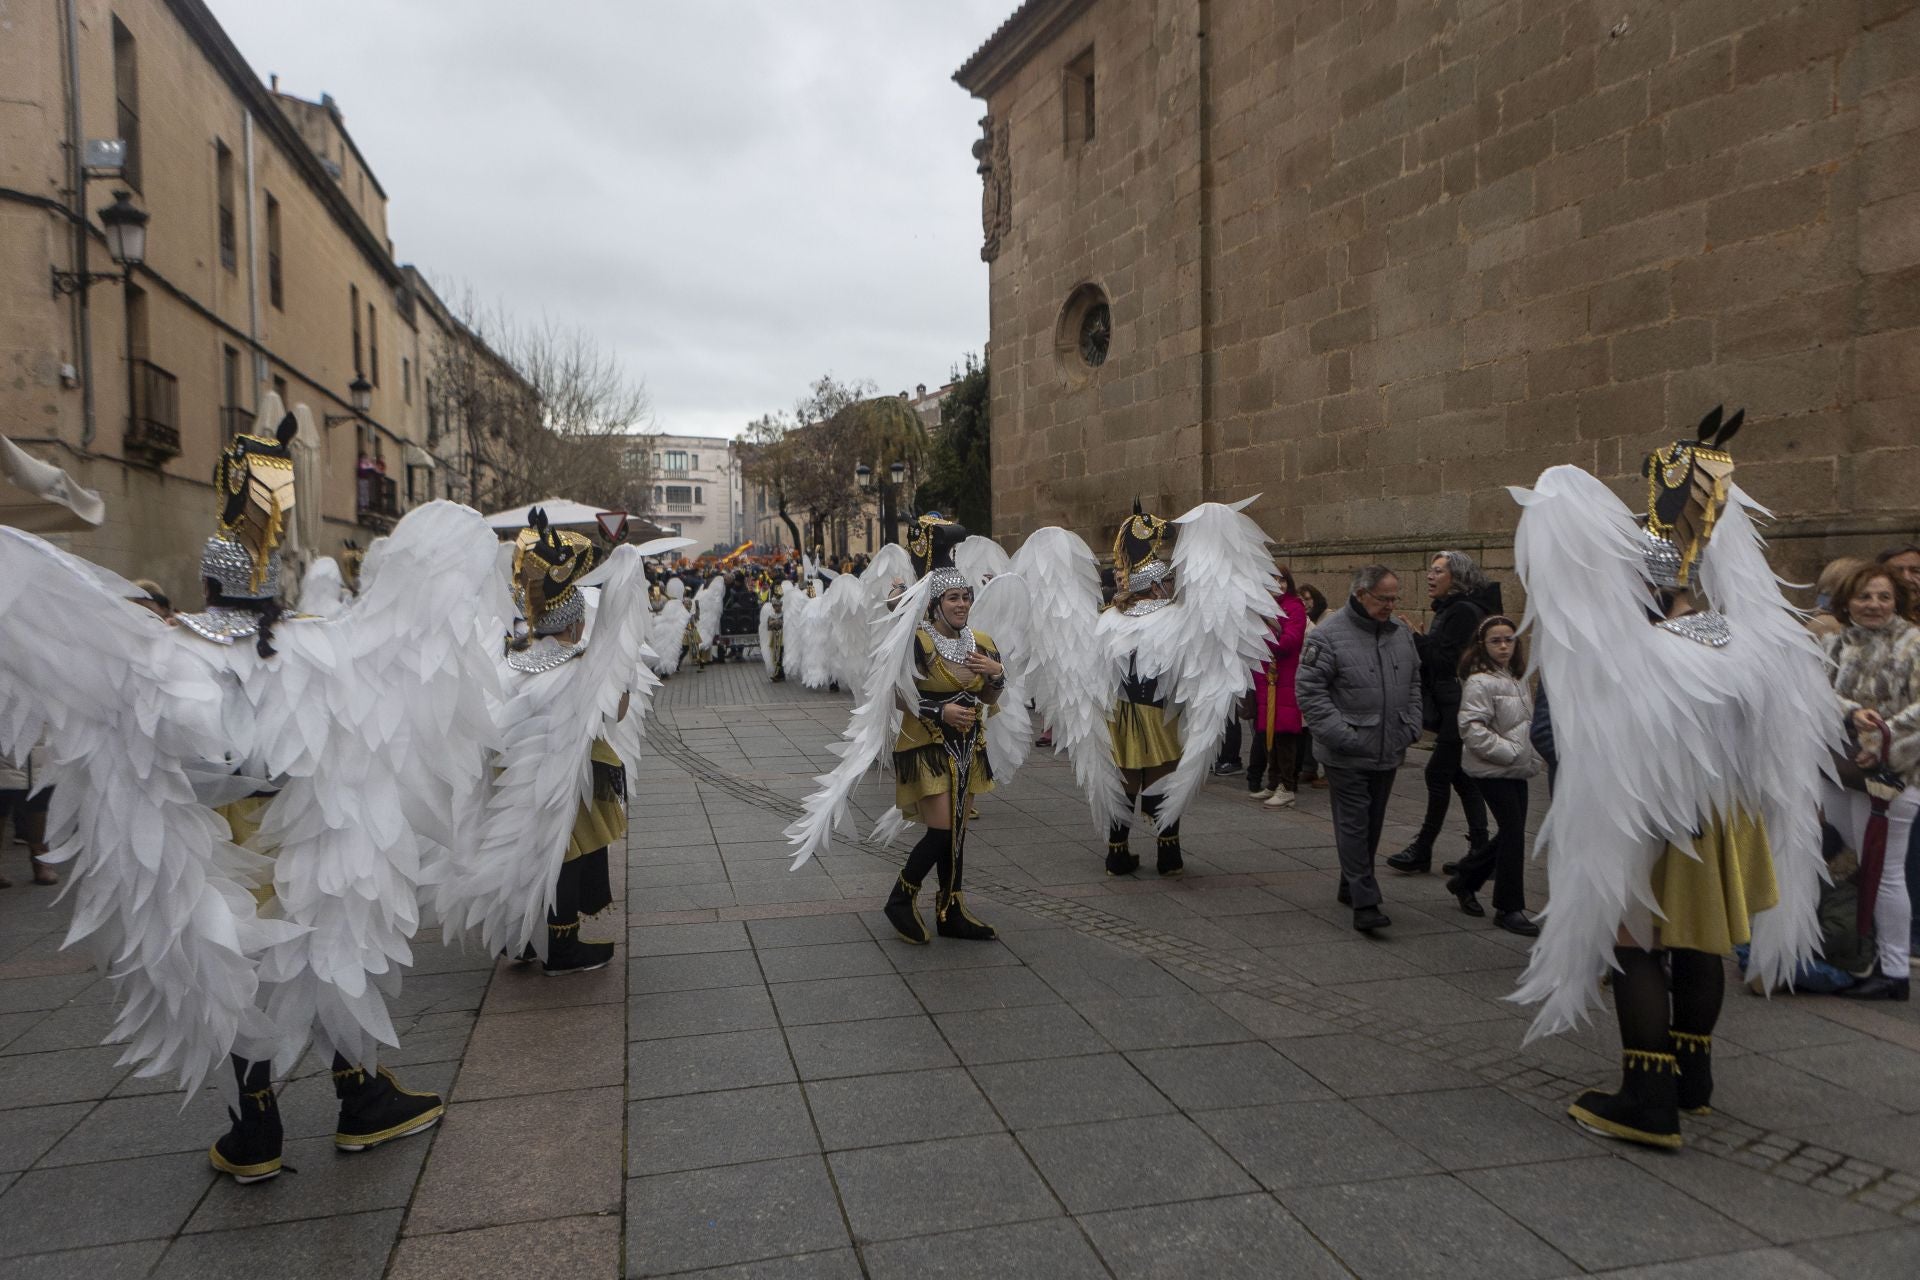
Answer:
x=342 y=749
x=934 y=682
x=578 y=687
x=666 y=635
x=1693 y=725
x=773 y=636
x=1187 y=626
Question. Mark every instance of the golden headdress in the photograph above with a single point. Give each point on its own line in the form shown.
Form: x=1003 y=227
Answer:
x=930 y=544
x=1142 y=554
x=254 y=479
x=1687 y=484
x=548 y=564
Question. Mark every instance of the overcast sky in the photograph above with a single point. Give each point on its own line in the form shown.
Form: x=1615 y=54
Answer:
x=734 y=195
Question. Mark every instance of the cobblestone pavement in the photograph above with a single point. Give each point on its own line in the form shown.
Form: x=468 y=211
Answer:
x=1206 y=1077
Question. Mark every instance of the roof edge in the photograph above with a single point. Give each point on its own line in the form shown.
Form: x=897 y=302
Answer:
x=1026 y=30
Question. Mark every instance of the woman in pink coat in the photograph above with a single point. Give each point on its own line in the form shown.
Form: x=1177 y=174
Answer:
x=1279 y=734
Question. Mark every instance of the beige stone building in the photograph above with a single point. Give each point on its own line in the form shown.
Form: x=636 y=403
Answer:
x=1376 y=261
x=268 y=270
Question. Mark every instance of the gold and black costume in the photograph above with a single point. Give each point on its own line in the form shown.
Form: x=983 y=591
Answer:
x=931 y=758
x=1145 y=743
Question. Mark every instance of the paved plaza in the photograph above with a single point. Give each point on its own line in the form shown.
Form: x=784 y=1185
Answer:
x=1210 y=1077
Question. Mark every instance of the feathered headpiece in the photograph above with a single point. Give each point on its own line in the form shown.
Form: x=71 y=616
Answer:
x=930 y=543
x=1687 y=483
x=547 y=563
x=254 y=479
x=1141 y=555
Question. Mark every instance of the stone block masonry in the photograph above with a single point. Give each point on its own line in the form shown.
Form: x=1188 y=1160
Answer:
x=1375 y=261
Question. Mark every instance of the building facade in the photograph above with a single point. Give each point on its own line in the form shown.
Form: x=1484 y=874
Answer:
x=1376 y=261
x=268 y=271
x=697 y=491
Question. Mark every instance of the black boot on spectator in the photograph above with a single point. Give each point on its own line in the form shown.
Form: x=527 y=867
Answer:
x=250 y=1150
x=1414 y=860
x=375 y=1109
x=1120 y=859
x=1879 y=987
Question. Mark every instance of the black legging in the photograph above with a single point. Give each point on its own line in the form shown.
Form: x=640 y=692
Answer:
x=1443 y=775
x=1504 y=858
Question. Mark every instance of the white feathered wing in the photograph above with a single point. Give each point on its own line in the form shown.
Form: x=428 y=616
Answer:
x=162 y=897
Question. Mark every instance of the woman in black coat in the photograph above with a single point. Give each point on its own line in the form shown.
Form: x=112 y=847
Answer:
x=1461 y=596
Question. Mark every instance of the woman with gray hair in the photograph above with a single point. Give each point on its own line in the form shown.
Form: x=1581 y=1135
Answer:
x=1461 y=596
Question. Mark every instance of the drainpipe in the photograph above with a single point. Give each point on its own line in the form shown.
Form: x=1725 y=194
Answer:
x=1209 y=364
x=253 y=264
x=77 y=184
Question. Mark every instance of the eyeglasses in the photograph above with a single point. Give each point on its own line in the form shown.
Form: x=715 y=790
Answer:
x=1386 y=600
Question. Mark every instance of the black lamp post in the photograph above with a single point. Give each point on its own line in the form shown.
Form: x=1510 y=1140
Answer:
x=359 y=396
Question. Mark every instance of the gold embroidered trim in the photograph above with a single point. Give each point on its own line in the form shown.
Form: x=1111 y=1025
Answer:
x=1646 y=1061
x=1692 y=1043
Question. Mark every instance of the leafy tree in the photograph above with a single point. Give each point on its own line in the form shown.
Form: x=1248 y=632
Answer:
x=958 y=478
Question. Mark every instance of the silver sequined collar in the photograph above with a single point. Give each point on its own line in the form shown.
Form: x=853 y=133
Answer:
x=1141 y=608
x=1709 y=628
x=953 y=652
x=543 y=657
x=220 y=624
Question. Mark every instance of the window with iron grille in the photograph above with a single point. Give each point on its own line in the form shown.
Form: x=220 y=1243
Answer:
x=223 y=179
x=126 y=100
x=275 y=290
x=353 y=309
x=373 y=345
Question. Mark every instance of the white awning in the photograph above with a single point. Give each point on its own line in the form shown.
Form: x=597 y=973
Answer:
x=562 y=513
x=41 y=498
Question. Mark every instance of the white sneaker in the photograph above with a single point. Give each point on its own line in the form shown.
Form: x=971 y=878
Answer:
x=1280 y=799
x=1258 y=795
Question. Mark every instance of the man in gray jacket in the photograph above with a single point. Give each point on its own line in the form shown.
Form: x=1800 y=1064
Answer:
x=1359 y=689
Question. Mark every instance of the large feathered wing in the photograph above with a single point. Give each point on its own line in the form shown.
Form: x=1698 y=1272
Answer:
x=323 y=592
x=870 y=732
x=766 y=636
x=1643 y=721
x=890 y=570
x=667 y=636
x=711 y=601
x=981 y=559
x=1070 y=677
x=161 y=895
x=1002 y=609
x=1211 y=638
x=545 y=774
x=1791 y=733
x=380 y=722
x=845 y=629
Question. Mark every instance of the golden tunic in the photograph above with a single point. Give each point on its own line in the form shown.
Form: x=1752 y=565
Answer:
x=921 y=766
x=1708 y=900
x=599 y=823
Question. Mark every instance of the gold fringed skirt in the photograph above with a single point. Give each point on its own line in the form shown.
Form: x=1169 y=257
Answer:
x=1708 y=901
x=1142 y=738
x=603 y=821
x=922 y=769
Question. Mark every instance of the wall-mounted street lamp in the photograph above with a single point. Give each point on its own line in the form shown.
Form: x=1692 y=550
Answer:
x=360 y=396
x=126 y=232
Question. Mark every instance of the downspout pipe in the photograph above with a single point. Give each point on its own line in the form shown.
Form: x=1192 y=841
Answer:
x=253 y=263
x=77 y=186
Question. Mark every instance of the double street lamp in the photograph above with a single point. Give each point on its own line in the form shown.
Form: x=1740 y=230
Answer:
x=889 y=494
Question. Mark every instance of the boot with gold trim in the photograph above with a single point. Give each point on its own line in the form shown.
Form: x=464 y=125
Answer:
x=903 y=912
x=374 y=1108
x=1121 y=860
x=1167 y=861
x=1647 y=1108
x=1695 y=1057
x=567 y=952
x=250 y=1150
x=950 y=915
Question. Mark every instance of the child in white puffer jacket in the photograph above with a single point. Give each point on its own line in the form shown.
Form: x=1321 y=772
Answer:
x=1496 y=712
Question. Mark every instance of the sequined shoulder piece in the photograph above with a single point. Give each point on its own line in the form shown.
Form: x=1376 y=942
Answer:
x=1710 y=628
x=544 y=658
x=1146 y=605
x=222 y=626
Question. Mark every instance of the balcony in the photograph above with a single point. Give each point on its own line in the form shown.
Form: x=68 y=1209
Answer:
x=153 y=426
x=377 y=500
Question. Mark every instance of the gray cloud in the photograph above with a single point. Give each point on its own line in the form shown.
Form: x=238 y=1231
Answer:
x=735 y=197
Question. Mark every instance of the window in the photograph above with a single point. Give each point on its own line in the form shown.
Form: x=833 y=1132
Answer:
x=406 y=379
x=659 y=494
x=693 y=463
x=679 y=495
x=760 y=501
x=275 y=291
x=223 y=182
x=373 y=345
x=280 y=389
x=656 y=458
x=433 y=412
x=126 y=99
x=698 y=498
x=676 y=460
x=353 y=311
x=1076 y=98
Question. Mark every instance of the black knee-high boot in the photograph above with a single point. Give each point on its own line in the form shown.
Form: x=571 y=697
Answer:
x=1699 y=986
x=566 y=953
x=250 y=1150
x=1120 y=859
x=903 y=904
x=950 y=914
x=375 y=1108
x=1646 y=1109
x=1166 y=839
